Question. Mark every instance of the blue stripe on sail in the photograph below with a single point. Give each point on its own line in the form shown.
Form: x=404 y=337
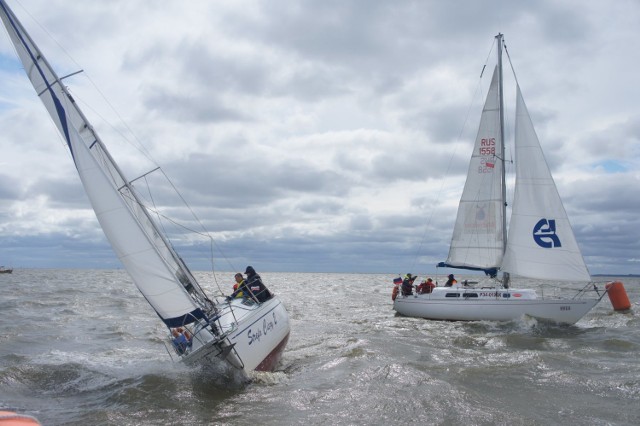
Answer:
x=192 y=316
x=62 y=115
x=492 y=272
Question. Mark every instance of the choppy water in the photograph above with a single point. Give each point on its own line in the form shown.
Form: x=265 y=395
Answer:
x=83 y=347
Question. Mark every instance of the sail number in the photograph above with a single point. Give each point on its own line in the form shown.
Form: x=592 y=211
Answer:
x=268 y=325
x=488 y=146
x=487 y=149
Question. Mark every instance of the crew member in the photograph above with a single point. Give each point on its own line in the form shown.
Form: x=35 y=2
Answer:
x=407 y=284
x=451 y=281
x=255 y=286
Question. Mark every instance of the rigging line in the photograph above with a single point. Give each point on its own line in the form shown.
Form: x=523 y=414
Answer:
x=213 y=272
x=204 y=232
x=202 y=293
x=162 y=216
x=139 y=146
x=15 y=52
x=486 y=61
x=144 y=175
x=200 y=296
x=510 y=63
x=86 y=106
x=204 y=229
x=213 y=245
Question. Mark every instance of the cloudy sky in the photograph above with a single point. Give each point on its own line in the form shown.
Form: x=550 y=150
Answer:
x=329 y=136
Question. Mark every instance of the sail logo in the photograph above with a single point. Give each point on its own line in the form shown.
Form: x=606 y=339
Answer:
x=544 y=234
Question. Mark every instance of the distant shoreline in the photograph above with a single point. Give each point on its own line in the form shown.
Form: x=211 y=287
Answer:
x=615 y=275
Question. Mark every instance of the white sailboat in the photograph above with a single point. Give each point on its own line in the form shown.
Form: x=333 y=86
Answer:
x=242 y=333
x=540 y=243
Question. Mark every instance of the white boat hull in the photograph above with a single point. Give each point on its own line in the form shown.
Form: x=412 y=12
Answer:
x=256 y=335
x=495 y=305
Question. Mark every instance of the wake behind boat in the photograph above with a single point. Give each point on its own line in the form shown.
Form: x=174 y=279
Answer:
x=248 y=333
x=540 y=243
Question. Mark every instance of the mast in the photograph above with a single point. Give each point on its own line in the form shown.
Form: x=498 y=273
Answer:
x=75 y=127
x=499 y=41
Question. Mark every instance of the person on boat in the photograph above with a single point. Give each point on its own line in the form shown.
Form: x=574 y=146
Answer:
x=451 y=281
x=407 y=284
x=255 y=286
x=181 y=339
x=426 y=286
x=239 y=289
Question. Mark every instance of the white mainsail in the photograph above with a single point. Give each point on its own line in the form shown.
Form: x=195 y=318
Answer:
x=477 y=241
x=150 y=260
x=541 y=243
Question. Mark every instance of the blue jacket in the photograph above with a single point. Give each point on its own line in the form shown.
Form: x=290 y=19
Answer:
x=257 y=288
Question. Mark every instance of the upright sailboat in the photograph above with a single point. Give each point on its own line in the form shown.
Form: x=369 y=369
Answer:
x=243 y=333
x=540 y=243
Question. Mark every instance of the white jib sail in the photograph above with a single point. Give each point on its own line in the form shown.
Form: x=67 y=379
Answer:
x=540 y=243
x=477 y=236
x=132 y=235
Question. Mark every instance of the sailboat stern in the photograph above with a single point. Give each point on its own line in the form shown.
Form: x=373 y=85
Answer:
x=561 y=311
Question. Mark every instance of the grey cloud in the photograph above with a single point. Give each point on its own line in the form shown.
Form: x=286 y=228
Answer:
x=189 y=107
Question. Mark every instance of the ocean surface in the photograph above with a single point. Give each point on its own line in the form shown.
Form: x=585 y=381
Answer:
x=80 y=347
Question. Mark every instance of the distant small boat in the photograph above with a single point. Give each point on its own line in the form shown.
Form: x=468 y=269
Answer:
x=540 y=243
x=4 y=270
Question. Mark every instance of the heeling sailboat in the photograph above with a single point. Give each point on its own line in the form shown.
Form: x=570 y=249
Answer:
x=243 y=333
x=540 y=243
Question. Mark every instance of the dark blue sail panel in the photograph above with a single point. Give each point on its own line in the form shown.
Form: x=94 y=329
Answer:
x=192 y=316
x=62 y=115
x=492 y=272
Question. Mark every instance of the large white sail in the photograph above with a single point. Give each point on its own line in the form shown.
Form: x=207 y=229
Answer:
x=477 y=241
x=540 y=243
x=151 y=262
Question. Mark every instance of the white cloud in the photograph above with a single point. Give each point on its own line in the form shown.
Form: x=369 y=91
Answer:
x=329 y=136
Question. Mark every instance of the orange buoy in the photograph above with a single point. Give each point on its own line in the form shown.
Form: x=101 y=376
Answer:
x=618 y=296
x=9 y=418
